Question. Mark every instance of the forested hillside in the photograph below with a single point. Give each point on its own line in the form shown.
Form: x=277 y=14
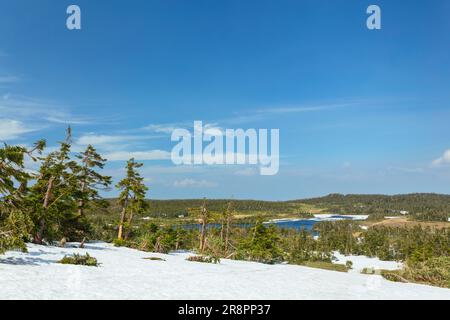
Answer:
x=420 y=206
x=425 y=207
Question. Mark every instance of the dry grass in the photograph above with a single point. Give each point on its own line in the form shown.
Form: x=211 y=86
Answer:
x=403 y=222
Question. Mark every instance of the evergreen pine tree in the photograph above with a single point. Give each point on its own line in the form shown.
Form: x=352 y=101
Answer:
x=88 y=180
x=15 y=224
x=52 y=195
x=131 y=198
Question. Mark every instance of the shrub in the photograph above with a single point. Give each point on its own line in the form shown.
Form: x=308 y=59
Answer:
x=326 y=266
x=301 y=247
x=14 y=231
x=77 y=259
x=154 y=259
x=261 y=245
x=121 y=243
x=349 y=264
x=203 y=259
x=435 y=271
x=162 y=240
x=392 y=276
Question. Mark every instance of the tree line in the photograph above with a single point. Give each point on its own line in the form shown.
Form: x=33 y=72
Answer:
x=51 y=204
x=419 y=206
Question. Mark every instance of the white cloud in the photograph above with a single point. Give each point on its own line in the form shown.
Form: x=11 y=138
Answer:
x=9 y=79
x=247 y=172
x=138 y=155
x=406 y=169
x=188 y=183
x=209 y=129
x=13 y=129
x=110 y=141
x=29 y=109
x=162 y=128
x=100 y=140
x=269 y=112
x=444 y=159
x=301 y=109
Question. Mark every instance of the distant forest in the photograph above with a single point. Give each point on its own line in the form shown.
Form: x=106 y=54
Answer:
x=420 y=206
x=174 y=208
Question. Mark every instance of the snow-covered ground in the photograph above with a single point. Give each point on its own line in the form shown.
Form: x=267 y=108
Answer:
x=361 y=262
x=322 y=217
x=124 y=274
x=332 y=217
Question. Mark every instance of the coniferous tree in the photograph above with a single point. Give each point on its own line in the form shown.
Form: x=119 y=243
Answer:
x=52 y=195
x=88 y=180
x=262 y=245
x=15 y=224
x=131 y=198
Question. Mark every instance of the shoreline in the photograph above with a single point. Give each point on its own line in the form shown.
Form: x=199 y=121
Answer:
x=322 y=217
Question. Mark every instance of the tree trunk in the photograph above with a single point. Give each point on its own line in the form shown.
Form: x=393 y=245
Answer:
x=48 y=193
x=81 y=202
x=222 y=230
x=130 y=221
x=227 y=233
x=122 y=220
x=202 y=236
x=38 y=237
x=80 y=208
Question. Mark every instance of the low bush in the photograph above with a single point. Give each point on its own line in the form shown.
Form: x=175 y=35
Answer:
x=203 y=259
x=394 y=276
x=434 y=271
x=349 y=264
x=154 y=259
x=326 y=266
x=262 y=244
x=121 y=243
x=82 y=260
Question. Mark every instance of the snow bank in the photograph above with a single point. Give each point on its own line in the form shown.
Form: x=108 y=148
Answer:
x=332 y=217
x=361 y=262
x=321 y=217
x=124 y=274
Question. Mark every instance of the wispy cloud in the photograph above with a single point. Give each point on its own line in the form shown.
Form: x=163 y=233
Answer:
x=302 y=109
x=406 y=169
x=163 y=128
x=13 y=129
x=443 y=160
x=38 y=110
x=192 y=183
x=246 y=172
x=209 y=129
x=269 y=112
x=138 y=155
x=113 y=142
x=102 y=140
x=9 y=79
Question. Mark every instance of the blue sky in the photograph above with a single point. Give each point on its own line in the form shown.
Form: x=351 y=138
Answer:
x=359 y=111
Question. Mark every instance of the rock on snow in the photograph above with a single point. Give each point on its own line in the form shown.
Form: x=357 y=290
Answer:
x=124 y=274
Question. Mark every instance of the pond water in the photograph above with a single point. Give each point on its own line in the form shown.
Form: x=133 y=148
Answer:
x=300 y=224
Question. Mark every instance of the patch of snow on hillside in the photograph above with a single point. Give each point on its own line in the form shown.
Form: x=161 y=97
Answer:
x=361 y=262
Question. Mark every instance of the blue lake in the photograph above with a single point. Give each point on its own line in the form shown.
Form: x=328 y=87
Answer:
x=297 y=225
x=306 y=224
